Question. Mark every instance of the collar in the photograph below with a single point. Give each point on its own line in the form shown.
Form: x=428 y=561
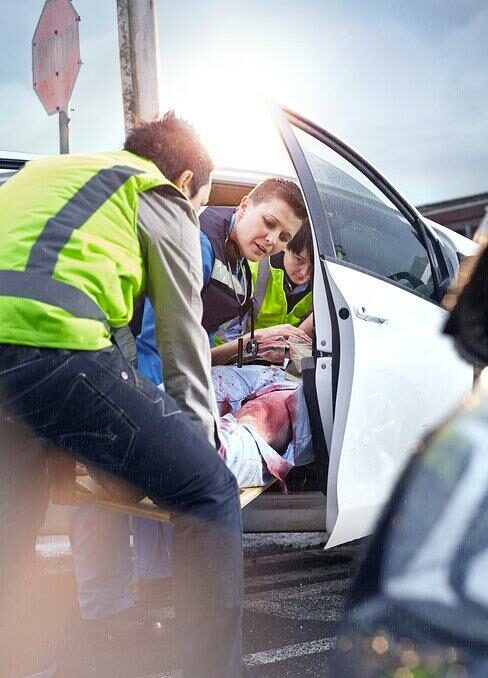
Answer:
x=291 y=288
x=276 y=260
x=231 y=248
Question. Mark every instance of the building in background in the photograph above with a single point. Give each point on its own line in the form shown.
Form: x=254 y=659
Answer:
x=463 y=215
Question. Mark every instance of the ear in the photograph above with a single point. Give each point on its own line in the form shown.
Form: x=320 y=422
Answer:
x=242 y=206
x=184 y=182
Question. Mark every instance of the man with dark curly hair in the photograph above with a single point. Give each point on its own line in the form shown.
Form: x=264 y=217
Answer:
x=82 y=236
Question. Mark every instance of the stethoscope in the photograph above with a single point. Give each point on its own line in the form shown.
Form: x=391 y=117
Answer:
x=252 y=346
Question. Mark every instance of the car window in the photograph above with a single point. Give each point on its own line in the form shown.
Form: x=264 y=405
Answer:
x=367 y=229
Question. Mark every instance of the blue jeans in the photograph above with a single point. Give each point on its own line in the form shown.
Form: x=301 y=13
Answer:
x=102 y=559
x=99 y=410
x=153 y=548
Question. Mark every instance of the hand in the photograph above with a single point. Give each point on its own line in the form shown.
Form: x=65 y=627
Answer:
x=282 y=331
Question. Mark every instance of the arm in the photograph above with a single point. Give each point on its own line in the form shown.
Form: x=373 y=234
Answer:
x=307 y=325
x=169 y=235
x=208 y=257
x=221 y=354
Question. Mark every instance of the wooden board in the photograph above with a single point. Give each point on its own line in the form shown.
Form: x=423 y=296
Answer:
x=87 y=491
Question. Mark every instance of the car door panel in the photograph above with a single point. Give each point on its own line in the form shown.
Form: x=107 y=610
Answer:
x=405 y=378
x=385 y=373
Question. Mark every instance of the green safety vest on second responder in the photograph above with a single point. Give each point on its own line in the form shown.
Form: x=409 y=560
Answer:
x=271 y=300
x=70 y=259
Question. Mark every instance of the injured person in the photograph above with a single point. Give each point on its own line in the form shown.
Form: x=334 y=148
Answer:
x=264 y=425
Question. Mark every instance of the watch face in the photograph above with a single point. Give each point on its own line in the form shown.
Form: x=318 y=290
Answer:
x=252 y=347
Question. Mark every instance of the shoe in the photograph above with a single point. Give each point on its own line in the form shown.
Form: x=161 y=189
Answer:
x=152 y=594
x=125 y=626
x=155 y=599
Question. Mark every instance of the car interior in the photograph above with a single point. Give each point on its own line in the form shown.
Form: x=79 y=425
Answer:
x=312 y=477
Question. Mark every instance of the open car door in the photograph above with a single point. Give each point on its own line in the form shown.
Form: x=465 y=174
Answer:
x=382 y=373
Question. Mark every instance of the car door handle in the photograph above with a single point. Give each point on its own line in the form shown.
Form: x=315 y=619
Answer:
x=363 y=314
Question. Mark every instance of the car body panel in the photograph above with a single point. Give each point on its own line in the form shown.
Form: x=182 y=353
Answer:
x=404 y=378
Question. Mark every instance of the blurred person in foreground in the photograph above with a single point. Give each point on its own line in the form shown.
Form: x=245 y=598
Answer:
x=82 y=235
x=419 y=607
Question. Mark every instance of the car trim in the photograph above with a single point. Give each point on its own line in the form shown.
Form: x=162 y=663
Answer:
x=355 y=159
x=325 y=245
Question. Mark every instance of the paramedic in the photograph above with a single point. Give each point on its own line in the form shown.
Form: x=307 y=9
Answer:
x=261 y=225
x=282 y=288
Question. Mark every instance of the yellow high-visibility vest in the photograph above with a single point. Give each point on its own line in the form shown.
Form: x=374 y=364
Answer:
x=70 y=260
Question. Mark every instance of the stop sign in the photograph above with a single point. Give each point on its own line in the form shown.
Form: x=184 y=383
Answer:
x=56 y=54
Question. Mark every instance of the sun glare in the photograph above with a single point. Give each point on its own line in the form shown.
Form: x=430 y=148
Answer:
x=240 y=132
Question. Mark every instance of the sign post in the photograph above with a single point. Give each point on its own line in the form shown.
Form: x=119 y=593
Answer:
x=56 y=61
x=139 y=60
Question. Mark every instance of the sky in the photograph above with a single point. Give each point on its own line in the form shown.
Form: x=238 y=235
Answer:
x=404 y=83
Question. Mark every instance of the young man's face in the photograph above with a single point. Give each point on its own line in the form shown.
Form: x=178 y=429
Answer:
x=263 y=229
x=298 y=267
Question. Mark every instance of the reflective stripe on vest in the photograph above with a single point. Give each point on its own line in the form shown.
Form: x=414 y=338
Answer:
x=222 y=275
x=224 y=296
x=36 y=281
x=261 y=283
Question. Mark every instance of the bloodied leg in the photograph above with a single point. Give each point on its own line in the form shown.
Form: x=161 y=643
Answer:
x=267 y=436
x=268 y=415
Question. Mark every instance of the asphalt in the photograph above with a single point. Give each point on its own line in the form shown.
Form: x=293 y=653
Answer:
x=294 y=595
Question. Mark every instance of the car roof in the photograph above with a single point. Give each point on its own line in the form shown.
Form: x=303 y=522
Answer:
x=230 y=185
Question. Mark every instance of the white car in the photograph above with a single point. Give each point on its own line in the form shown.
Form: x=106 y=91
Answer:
x=382 y=372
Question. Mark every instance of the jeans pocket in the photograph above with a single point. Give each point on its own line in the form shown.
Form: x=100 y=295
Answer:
x=92 y=427
x=113 y=362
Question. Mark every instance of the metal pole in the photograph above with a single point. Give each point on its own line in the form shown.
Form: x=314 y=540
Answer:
x=63 y=131
x=139 y=60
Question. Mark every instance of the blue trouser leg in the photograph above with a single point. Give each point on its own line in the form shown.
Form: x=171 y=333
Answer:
x=102 y=560
x=153 y=546
x=101 y=411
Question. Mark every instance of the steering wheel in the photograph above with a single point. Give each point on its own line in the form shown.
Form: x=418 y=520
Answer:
x=406 y=275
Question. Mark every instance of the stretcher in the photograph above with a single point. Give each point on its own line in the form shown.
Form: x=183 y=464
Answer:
x=87 y=491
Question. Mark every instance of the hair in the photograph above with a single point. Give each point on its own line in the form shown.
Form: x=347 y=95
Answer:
x=302 y=240
x=284 y=189
x=173 y=145
x=468 y=321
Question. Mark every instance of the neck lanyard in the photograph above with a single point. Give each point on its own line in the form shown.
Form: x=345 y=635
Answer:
x=252 y=345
